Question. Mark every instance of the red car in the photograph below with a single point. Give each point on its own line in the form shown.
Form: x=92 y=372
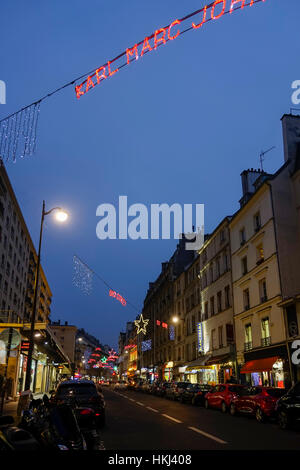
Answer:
x=257 y=401
x=221 y=396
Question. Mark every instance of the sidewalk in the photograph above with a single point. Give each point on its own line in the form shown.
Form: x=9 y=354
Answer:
x=10 y=406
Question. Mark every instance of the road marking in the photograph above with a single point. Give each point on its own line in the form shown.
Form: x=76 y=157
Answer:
x=173 y=419
x=152 y=409
x=131 y=399
x=139 y=403
x=209 y=436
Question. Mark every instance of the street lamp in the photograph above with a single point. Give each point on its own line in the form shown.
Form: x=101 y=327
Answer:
x=61 y=216
x=175 y=319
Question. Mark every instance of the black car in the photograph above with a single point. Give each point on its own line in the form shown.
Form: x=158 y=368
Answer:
x=288 y=407
x=194 y=394
x=85 y=398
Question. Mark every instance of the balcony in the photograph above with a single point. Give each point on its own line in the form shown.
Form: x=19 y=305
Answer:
x=266 y=341
x=248 y=346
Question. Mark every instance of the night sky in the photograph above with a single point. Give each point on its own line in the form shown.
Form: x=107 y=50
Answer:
x=178 y=126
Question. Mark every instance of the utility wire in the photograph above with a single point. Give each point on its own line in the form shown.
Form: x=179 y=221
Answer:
x=104 y=282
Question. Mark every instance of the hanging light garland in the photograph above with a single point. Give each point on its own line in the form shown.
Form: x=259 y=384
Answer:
x=19 y=130
x=18 y=133
x=82 y=276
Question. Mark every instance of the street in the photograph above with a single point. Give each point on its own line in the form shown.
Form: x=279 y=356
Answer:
x=137 y=421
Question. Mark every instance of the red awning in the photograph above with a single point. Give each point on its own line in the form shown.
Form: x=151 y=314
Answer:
x=259 y=365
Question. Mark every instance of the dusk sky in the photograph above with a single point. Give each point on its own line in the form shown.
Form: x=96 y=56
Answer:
x=178 y=126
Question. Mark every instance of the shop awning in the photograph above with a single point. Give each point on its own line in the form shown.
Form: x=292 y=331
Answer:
x=219 y=359
x=198 y=364
x=259 y=365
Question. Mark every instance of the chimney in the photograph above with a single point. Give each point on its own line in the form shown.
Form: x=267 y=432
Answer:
x=291 y=136
x=248 y=179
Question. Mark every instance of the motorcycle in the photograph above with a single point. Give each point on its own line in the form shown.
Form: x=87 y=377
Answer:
x=15 y=438
x=54 y=427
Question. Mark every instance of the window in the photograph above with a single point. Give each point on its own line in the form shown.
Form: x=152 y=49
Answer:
x=213 y=339
x=206 y=310
x=242 y=236
x=211 y=274
x=225 y=260
x=246 y=296
x=227 y=297
x=205 y=280
x=257 y=222
x=219 y=301
x=265 y=332
x=263 y=290
x=248 y=337
x=220 y=331
x=193 y=324
x=222 y=236
x=218 y=267
x=244 y=264
x=212 y=306
x=260 y=257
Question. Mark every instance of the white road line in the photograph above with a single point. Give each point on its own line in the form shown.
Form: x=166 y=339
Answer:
x=152 y=409
x=173 y=419
x=209 y=436
x=139 y=403
x=131 y=399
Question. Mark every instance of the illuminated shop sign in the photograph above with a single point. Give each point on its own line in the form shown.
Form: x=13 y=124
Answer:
x=200 y=337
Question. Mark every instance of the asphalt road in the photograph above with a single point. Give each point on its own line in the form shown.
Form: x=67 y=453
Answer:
x=138 y=421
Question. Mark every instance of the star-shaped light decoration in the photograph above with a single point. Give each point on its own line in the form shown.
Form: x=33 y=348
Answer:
x=141 y=324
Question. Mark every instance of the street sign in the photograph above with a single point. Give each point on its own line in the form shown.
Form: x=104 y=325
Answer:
x=15 y=337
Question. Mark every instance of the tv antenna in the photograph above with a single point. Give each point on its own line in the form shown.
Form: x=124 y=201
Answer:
x=262 y=156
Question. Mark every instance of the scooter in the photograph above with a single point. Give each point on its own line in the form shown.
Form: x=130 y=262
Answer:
x=15 y=438
x=54 y=427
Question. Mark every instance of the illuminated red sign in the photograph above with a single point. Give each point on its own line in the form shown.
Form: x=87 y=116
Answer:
x=117 y=296
x=163 y=324
x=211 y=12
x=130 y=346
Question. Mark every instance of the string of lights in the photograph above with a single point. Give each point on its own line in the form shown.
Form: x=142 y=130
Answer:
x=81 y=269
x=91 y=72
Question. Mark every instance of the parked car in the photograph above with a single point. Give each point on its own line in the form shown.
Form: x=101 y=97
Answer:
x=146 y=387
x=139 y=385
x=162 y=388
x=288 y=407
x=195 y=394
x=82 y=395
x=221 y=396
x=121 y=385
x=178 y=389
x=256 y=401
x=155 y=388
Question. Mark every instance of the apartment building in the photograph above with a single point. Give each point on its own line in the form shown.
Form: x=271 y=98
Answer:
x=159 y=308
x=192 y=316
x=265 y=236
x=66 y=335
x=215 y=328
x=18 y=261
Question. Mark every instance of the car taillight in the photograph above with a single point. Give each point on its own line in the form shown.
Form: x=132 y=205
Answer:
x=86 y=411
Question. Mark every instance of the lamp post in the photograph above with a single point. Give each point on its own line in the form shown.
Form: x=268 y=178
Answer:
x=61 y=216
